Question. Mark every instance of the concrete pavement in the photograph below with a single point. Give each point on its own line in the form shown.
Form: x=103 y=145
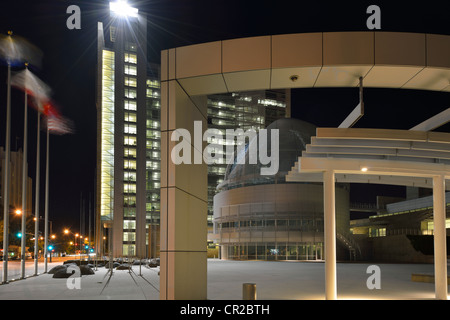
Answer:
x=275 y=280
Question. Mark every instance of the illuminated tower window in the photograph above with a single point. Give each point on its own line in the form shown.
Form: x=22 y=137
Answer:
x=107 y=136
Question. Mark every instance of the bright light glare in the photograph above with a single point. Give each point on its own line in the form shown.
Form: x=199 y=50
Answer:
x=364 y=169
x=122 y=8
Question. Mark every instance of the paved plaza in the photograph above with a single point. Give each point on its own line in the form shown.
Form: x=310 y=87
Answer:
x=275 y=280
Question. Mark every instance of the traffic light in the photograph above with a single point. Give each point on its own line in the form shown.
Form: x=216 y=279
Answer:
x=19 y=235
x=50 y=247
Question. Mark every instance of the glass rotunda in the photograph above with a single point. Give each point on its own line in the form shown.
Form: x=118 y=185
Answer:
x=260 y=217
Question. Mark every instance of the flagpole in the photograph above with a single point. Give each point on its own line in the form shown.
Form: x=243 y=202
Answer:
x=7 y=174
x=46 y=204
x=24 y=185
x=36 y=214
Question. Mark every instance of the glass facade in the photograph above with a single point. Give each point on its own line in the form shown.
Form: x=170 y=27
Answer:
x=130 y=150
x=107 y=136
x=275 y=251
x=244 y=110
x=153 y=159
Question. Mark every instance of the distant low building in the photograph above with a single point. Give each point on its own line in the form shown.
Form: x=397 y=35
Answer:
x=401 y=231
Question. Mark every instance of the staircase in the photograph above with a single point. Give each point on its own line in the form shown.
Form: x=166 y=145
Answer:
x=349 y=242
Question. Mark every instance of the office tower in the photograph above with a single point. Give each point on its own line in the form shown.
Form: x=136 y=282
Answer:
x=244 y=110
x=127 y=93
x=128 y=136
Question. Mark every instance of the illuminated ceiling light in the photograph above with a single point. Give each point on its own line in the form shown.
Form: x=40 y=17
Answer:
x=364 y=169
x=123 y=9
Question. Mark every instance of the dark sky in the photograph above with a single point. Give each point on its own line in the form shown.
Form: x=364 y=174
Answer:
x=70 y=56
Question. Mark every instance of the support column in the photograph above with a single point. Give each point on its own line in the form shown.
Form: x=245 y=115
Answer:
x=330 y=234
x=440 y=238
x=183 y=260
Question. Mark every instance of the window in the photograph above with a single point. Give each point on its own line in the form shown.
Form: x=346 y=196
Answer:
x=129 y=152
x=153 y=144
x=129 y=176
x=129 y=236
x=129 y=164
x=112 y=33
x=129 y=200
x=130 y=69
x=130 y=82
x=152 y=124
x=153 y=83
x=153 y=134
x=129 y=188
x=130 y=117
x=130 y=128
x=152 y=165
x=130 y=46
x=377 y=232
x=129 y=249
x=157 y=155
x=129 y=224
x=129 y=212
x=130 y=105
x=130 y=58
x=130 y=93
x=129 y=141
x=152 y=93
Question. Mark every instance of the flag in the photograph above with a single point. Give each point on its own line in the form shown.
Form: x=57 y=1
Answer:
x=56 y=123
x=16 y=50
x=26 y=81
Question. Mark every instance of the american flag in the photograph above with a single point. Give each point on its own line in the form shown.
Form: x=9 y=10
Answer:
x=56 y=123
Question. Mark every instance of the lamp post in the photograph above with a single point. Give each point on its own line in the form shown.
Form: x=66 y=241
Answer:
x=76 y=235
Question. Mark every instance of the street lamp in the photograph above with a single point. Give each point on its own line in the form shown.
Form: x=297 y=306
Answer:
x=123 y=9
x=76 y=235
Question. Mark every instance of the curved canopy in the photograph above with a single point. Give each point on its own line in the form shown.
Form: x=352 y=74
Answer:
x=306 y=60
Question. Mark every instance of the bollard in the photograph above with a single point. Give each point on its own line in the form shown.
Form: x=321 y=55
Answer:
x=249 y=291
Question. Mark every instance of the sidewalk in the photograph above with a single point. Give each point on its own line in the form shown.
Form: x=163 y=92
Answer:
x=275 y=280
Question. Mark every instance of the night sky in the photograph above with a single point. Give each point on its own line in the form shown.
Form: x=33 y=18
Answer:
x=70 y=57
